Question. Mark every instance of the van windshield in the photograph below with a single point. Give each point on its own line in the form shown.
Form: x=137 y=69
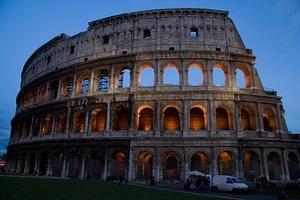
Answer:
x=235 y=180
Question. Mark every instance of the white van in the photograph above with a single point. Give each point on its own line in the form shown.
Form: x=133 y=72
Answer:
x=228 y=183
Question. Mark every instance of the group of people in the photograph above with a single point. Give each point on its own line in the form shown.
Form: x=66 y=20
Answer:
x=198 y=183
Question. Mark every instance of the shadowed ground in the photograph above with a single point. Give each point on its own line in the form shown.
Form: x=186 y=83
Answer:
x=24 y=188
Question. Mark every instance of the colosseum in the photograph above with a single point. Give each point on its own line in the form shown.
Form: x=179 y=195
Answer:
x=136 y=96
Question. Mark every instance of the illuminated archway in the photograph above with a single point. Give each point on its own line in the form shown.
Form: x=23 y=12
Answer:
x=144 y=166
x=251 y=166
x=145 y=119
x=199 y=162
x=225 y=163
x=171 y=119
x=172 y=166
x=197 y=119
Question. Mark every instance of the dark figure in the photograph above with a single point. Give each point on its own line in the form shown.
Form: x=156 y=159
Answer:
x=152 y=182
x=206 y=184
x=282 y=195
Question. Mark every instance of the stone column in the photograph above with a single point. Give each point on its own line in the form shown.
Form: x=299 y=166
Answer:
x=260 y=123
x=82 y=171
x=265 y=163
x=53 y=123
x=112 y=80
x=41 y=126
x=91 y=83
x=36 y=165
x=68 y=118
x=86 y=123
x=236 y=120
x=108 y=112
x=279 y=121
x=49 y=167
x=211 y=117
x=31 y=126
x=285 y=166
x=64 y=166
x=105 y=164
x=157 y=119
x=130 y=164
x=233 y=75
x=59 y=89
x=47 y=91
x=240 y=170
x=185 y=71
x=214 y=163
x=158 y=75
x=157 y=165
x=209 y=76
x=185 y=120
x=74 y=86
x=26 y=169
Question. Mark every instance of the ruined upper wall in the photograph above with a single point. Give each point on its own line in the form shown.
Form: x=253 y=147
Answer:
x=124 y=34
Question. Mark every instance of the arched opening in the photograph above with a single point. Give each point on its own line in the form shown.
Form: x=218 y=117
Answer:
x=219 y=78
x=147 y=33
x=199 y=162
x=195 y=76
x=243 y=77
x=36 y=126
x=53 y=90
x=119 y=166
x=61 y=122
x=85 y=86
x=98 y=120
x=94 y=165
x=225 y=163
x=74 y=164
x=33 y=95
x=269 y=120
x=124 y=78
x=103 y=81
x=171 y=76
x=27 y=123
x=146 y=77
x=251 y=166
x=145 y=119
x=47 y=124
x=57 y=163
x=240 y=78
x=294 y=169
x=171 y=119
x=197 y=121
x=121 y=119
x=247 y=119
x=42 y=92
x=43 y=163
x=66 y=87
x=172 y=168
x=274 y=165
x=79 y=122
x=32 y=157
x=145 y=166
x=222 y=119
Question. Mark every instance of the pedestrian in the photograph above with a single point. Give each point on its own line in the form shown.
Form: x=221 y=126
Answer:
x=152 y=182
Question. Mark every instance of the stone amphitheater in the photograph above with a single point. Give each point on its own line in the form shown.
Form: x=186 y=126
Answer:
x=118 y=101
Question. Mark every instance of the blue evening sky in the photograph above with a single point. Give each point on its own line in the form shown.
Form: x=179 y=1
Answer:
x=270 y=27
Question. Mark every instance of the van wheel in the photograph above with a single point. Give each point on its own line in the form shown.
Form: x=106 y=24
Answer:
x=214 y=188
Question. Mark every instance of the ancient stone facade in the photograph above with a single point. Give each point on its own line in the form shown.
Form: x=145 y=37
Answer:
x=101 y=104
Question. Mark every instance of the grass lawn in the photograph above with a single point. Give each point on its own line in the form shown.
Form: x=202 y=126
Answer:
x=30 y=188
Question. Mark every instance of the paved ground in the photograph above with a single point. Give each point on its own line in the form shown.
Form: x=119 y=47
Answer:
x=226 y=195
